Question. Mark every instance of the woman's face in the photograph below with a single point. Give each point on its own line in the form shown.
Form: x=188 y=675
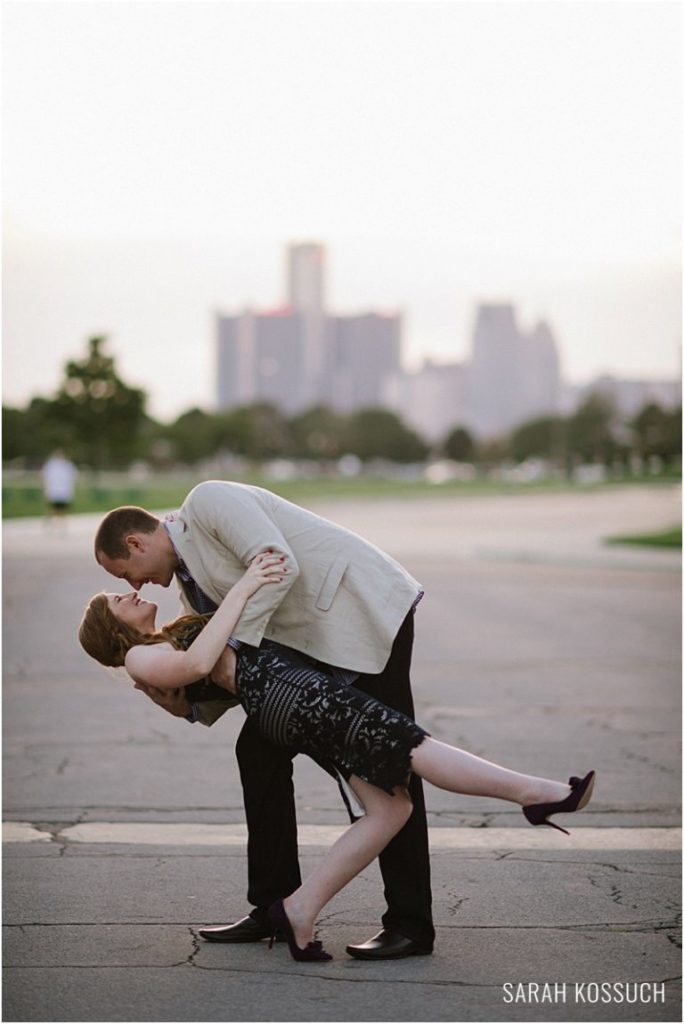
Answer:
x=132 y=610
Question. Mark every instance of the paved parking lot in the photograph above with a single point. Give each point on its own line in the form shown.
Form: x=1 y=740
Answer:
x=537 y=646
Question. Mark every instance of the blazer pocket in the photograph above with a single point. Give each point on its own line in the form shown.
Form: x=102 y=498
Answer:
x=331 y=583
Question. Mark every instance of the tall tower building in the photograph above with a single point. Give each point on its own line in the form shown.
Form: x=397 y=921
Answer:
x=514 y=376
x=362 y=351
x=540 y=393
x=260 y=359
x=495 y=370
x=432 y=399
x=298 y=355
x=306 y=277
x=306 y=294
x=236 y=365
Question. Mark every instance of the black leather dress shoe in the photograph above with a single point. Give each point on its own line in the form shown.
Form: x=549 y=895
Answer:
x=387 y=945
x=248 y=929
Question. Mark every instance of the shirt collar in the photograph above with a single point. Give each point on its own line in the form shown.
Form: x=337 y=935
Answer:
x=182 y=569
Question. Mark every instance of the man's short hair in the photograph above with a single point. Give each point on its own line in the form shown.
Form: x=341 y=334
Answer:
x=118 y=524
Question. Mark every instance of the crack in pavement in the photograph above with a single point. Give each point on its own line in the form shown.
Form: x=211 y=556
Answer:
x=196 y=948
x=454 y=907
x=460 y=818
x=55 y=832
x=676 y=936
x=464 y=856
x=519 y=856
x=635 y=926
x=616 y=895
x=630 y=755
x=136 y=809
x=268 y=972
x=515 y=855
x=55 y=838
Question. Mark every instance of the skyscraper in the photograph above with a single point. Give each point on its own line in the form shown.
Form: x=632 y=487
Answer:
x=513 y=375
x=540 y=383
x=494 y=380
x=235 y=363
x=363 y=350
x=260 y=358
x=306 y=277
x=432 y=399
x=298 y=355
x=306 y=295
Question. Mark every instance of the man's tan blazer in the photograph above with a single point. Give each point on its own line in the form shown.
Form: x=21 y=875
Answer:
x=343 y=600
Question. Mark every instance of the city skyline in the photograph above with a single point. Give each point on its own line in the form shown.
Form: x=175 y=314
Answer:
x=199 y=389
x=304 y=353
x=159 y=159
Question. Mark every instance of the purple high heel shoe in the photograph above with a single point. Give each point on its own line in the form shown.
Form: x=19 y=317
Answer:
x=280 y=921
x=579 y=797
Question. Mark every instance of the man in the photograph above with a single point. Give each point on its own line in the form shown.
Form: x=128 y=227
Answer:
x=344 y=604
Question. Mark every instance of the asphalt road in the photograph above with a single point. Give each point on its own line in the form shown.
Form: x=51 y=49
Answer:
x=537 y=647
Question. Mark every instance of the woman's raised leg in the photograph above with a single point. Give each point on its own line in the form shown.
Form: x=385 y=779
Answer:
x=460 y=772
x=349 y=855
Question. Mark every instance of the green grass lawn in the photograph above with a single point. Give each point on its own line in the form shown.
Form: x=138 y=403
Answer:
x=20 y=501
x=671 y=538
x=24 y=497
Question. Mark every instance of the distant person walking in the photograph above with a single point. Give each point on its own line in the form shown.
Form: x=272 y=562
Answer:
x=59 y=483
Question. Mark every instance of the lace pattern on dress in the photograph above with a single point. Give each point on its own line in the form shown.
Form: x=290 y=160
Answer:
x=306 y=710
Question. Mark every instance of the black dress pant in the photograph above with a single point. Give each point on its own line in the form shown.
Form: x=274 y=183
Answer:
x=266 y=775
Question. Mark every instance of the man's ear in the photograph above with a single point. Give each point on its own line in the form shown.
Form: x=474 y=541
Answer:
x=135 y=542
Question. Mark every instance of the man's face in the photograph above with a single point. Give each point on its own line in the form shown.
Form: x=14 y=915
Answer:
x=150 y=560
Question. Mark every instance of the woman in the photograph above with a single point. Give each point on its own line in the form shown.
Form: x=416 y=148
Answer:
x=372 y=746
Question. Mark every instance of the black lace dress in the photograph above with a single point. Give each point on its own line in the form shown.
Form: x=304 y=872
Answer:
x=299 y=706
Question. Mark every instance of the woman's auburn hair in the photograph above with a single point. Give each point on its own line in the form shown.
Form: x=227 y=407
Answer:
x=108 y=641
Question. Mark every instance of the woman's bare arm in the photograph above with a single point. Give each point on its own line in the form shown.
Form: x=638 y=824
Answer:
x=223 y=672
x=161 y=666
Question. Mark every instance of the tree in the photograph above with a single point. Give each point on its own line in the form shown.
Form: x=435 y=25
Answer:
x=672 y=436
x=258 y=431
x=33 y=433
x=459 y=445
x=14 y=427
x=543 y=438
x=379 y=433
x=194 y=436
x=491 y=454
x=658 y=432
x=591 y=431
x=318 y=433
x=102 y=414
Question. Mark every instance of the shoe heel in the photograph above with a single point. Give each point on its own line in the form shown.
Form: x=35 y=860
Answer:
x=272 y=939
x=279 y=920
x=553 y=824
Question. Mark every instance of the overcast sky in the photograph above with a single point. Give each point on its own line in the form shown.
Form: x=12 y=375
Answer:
x=158 y=156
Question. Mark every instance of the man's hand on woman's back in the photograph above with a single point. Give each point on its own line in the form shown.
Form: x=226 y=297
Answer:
x=173 y=701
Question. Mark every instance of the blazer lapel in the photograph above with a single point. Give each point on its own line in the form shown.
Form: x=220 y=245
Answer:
x=187 y=550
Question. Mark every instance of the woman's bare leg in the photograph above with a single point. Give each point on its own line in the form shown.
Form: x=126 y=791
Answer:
x=444 y=766
x=350 y=854
x=460 y=772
